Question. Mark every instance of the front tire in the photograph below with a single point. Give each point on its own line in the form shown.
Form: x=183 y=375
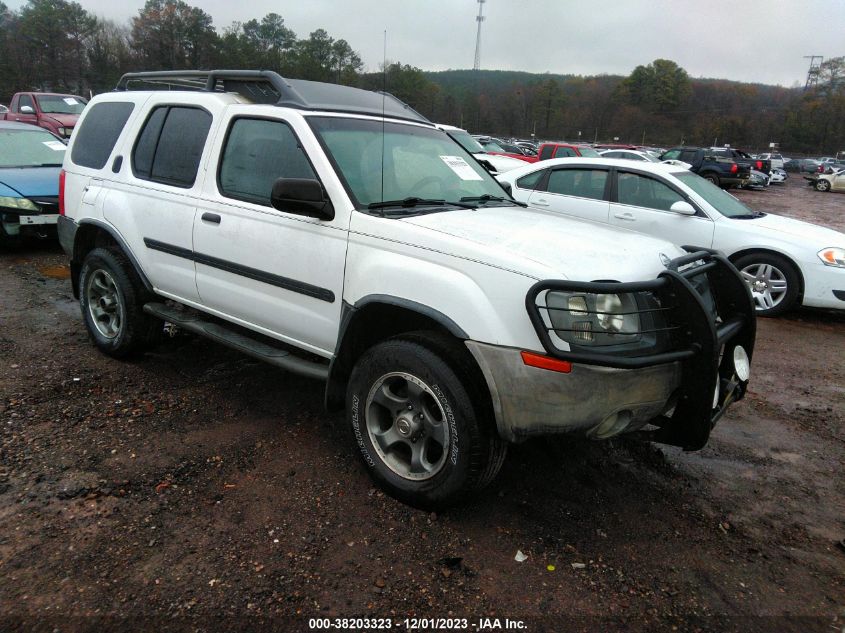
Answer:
x=418 y=428
x=773 y=280
x=822 y=185
x=112 y=297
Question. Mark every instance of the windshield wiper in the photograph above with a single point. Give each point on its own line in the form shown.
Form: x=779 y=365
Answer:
x=414 y=202
x=488 y=198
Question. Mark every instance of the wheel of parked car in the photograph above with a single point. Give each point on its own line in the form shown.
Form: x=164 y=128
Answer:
x=822 y=185
x=773 y=281
x=711 y=177
x=112 y=299
x=418 y=424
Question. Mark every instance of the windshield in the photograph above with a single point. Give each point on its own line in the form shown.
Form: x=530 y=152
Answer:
x=30 y=148
x=719 y=199
x=492 y=146
x=466 y=141
x=381 y=162
x=589 y=152
x=650 y=157
x=61 y=104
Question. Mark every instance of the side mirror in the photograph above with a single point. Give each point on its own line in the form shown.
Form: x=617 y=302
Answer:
x=682 y=207
x=303 y=196
x=27 y=110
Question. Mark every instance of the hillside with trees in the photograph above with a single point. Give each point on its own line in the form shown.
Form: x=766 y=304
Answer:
x=57 y=45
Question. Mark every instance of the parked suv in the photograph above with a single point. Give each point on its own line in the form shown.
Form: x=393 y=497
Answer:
x=339 y=235
x=722 y=171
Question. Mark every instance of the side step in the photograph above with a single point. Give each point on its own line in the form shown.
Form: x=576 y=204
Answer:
x=194 y=322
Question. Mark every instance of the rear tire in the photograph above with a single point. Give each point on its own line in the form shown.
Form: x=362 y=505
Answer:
x=416 y=425
x=112 y=299
x=822 y=185
x=711 y=177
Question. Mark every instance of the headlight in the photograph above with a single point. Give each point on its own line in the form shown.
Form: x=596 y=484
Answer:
x=62 y=131
x=590 y=319
x=833 y=257
x=23 y=204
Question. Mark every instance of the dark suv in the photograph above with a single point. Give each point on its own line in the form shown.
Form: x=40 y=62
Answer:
x=721 y=171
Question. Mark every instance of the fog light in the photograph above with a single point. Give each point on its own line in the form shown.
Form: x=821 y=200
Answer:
x=742 y=366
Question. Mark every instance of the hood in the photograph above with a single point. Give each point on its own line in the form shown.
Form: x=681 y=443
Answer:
x=544 y=244
x=501 y=163
x=804 y=232
x=31 y=181
x=65 y=120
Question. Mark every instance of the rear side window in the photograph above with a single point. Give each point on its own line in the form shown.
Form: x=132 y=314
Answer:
x=582 y=183
x=170 y=145
x=562 y=152
x=688 y=155
x=25 y=100
x=257 y=153
x=546 y=151
x=531 y=180
x=96 y=137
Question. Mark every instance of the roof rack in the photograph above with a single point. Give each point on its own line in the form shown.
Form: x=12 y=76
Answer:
x=266 y=86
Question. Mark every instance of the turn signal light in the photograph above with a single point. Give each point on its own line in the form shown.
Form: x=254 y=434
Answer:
x=546 y=362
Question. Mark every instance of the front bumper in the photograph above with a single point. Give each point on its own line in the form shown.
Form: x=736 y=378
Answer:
x=682 y=390
x=37 y=220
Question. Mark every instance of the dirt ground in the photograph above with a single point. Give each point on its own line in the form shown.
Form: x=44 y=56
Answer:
x=196 y=488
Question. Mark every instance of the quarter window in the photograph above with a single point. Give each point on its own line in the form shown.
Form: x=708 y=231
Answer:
x=170 y=145
x=531 y=180
x=582 y=183
x=642 y=191
x=257 y=153
x=96 y=137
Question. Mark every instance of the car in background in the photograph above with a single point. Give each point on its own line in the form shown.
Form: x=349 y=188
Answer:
x=802 y=165
x=757 y=180
x=777 y=160
x=55 y=112
x=494 y=163
x=722 y=171
x=778 y=176
x=784 y=262
x=629 y=154
x=499 y=147
x=563 y=150
x=30 y=162
x=833 y=181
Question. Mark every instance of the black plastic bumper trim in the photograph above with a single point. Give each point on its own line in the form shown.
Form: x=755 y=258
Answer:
x=301 y=287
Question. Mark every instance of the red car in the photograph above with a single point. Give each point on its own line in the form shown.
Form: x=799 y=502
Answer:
x=57 y=113
x=562 y=150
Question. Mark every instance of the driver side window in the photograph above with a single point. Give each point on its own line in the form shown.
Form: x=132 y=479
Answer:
x=641 y=191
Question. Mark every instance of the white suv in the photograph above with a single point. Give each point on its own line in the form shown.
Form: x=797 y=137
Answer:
x=338 y=234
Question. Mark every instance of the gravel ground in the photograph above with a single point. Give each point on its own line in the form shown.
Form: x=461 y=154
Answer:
x=195 y=488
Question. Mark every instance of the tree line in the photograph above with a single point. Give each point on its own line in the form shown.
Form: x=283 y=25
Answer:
x=57 y=45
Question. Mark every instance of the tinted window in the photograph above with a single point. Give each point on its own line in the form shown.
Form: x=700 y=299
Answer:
x=546 y=151
x=530 y=181
x=257 y=153
x=688 y=155
x=642 y=191
x=562 y=152
x=96 y=137
x=583 y=183
x=170 y=145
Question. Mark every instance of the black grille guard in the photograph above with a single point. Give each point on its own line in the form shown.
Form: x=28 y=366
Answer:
x=703 y=346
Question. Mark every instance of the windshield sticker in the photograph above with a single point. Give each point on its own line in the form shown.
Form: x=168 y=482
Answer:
x=56 y=146
x=461 y=168
x=70 y=101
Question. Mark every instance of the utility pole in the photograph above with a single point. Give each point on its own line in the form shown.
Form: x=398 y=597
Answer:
x=814 y=71
x=479 y=18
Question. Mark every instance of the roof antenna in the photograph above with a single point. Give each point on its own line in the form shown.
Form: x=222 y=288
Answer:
x=383 y=97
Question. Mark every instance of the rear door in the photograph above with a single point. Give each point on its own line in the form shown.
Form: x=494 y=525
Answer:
x=576 y=191
x=641 y=202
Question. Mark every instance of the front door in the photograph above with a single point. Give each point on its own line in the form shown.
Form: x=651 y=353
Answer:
x=642 y=203
x=274 y=271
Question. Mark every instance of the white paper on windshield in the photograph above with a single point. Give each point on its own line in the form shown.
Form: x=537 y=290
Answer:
x=460 y=167
x=56 y=146
x=70 y=101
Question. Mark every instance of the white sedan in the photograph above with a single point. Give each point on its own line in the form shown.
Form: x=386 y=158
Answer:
x=785 y=262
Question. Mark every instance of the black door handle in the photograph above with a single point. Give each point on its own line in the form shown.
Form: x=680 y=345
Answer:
x=211 y=217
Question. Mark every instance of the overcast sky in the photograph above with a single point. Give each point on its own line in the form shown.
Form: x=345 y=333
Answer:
x=747 y=40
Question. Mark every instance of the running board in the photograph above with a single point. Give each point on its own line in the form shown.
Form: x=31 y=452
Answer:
x=194 y=322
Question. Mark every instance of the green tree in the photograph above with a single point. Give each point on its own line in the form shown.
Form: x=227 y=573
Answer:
x=662 y=86
x=172 y=35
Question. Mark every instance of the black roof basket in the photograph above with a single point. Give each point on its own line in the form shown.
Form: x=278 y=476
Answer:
x=266 y=86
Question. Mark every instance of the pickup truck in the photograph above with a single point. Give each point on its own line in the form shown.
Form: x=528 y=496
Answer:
x=564 y=150
x=720 y=170
x=57 y=113
x=760 y=164
x=337 y=234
